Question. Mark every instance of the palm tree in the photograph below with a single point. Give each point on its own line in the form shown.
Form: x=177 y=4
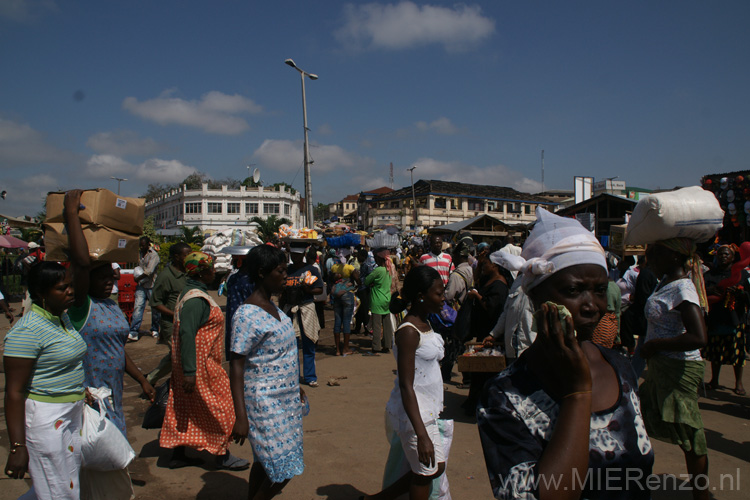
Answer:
x=266 y=227
x=191 y=235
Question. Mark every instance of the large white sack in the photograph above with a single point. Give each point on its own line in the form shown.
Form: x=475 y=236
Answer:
x=690 y=212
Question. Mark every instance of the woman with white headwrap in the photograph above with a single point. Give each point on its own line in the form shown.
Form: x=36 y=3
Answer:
x=565 y=415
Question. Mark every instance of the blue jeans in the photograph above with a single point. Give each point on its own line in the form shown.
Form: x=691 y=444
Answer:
x=307 y=368
x=142 y=295
x=343 y=310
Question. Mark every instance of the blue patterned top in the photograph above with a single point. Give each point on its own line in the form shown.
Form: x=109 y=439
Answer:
x=239 y=288
x=105 y=329
x=271 y=387
x=516 y=419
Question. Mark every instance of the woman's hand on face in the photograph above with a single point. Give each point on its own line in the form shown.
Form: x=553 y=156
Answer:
x=565 y=364
x=149 y=390
x=426 y=451
x=18 y=463
x=188 y=384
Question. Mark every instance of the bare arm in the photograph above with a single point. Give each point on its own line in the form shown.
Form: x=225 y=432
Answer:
x=79 y=248
x=17 y=376
x=136 y=375
x=236 y=376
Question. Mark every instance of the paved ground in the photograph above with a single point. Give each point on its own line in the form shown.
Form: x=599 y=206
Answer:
x=345 y=446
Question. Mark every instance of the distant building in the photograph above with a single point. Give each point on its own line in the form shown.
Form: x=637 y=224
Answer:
x=364 y=204
x=444 y=202
x=216 y=209
x=562 y=197
x=345 y=210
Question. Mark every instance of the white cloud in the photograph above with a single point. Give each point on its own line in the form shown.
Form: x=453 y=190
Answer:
x=26 y=196
x=494 y=175
x=442 y=126
x=406 y=25
x=153 y=170
x=287 y=156
x=21 y=145
x=214 y=112
x=123 y=143
x=26 y=10
x=324 y=129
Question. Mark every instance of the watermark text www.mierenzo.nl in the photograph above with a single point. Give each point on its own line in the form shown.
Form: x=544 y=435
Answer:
x=628 y=479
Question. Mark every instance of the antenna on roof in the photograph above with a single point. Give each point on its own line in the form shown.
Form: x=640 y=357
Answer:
x=542 y=170
x=391 y=177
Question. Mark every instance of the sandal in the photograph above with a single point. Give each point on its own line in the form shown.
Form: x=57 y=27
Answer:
x=314 y=383
x=230 y=462
x=740 y=392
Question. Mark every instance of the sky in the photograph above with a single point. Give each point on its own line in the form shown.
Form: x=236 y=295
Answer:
x=653 y=93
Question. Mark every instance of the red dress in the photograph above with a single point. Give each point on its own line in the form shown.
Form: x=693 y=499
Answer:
x=202 y=420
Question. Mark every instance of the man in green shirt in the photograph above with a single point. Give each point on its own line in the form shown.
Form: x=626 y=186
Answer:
x=379 y=281
x=169 y=284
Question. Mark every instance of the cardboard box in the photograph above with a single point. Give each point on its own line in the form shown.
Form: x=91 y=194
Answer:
x=473 y=363
x=617 y=244
x=104 y=208
x=104 y=243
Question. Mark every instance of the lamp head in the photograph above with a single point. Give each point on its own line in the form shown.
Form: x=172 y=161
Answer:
x=312 y=76
x=290 y=62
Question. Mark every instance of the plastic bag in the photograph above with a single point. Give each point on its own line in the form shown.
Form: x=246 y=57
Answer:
x=690 y=212
x=103 y=447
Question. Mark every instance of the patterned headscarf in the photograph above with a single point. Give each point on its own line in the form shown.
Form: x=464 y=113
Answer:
x=196 y=262
x=687 y=246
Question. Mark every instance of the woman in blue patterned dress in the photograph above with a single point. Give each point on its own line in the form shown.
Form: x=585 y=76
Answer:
x=104 y=327
x=264 y=373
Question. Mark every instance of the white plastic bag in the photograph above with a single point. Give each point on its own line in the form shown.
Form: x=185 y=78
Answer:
x=103 y=447
x=690 y=212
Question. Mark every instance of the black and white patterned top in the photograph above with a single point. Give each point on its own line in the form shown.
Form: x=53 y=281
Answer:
x=516 y=418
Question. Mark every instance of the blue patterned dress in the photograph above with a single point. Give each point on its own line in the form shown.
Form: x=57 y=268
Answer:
x=272 y=398
x=105 y=331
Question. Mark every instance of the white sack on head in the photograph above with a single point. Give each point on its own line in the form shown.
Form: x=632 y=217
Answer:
x=690 y=212
x=555 y=243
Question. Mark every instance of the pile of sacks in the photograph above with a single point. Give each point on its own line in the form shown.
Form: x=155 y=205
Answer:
x=213 y=245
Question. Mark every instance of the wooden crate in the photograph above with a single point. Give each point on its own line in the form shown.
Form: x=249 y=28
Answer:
x=486 y=364
x=617 y=242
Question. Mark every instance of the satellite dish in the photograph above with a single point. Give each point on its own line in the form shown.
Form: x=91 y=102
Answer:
x=256 y=175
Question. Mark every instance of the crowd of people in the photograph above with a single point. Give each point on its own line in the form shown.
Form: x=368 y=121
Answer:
x=577 y=328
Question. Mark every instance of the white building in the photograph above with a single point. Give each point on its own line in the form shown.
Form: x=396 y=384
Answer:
x=217 y=209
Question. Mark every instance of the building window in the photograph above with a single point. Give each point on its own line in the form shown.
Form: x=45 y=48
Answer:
x=233 y=208
x=514 y=208
x=454 y=204
x=251 y=208
x=527 y=209
x=394 y=204
x=270 y=208
x=287 y=209
x=440 y=203
x=214 y=208
x=491 y=206
x=476 y=206
x=193 y=208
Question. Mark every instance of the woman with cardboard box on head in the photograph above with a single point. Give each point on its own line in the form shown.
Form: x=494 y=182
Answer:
x=199 y=414
x=104 y=327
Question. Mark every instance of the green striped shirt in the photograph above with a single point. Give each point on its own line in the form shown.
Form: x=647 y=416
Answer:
x=58 y=349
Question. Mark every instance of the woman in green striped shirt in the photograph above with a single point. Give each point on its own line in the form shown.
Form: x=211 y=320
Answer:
x=44 y=391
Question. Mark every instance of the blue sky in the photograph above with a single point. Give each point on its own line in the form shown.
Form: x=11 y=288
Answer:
x=655 y=93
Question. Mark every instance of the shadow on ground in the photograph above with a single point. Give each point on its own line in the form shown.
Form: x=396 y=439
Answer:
x=339 y=492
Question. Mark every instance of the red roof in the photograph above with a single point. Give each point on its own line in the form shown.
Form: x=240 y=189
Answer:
x=380 y=190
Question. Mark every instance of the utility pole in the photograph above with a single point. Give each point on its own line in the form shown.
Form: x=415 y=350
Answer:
x=413 y=196
x=119 y=180
x=542 y=170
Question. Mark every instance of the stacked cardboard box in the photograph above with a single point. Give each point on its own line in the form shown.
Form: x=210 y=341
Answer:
x=111 y=224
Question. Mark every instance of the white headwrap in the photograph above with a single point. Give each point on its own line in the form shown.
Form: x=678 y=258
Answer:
x=554 y=243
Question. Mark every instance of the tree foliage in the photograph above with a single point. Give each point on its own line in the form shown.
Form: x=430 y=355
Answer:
x=149 y=229
x=286 y=185
x=266 y=227
x=191 y=235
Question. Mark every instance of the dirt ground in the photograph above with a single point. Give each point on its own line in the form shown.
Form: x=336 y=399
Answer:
x=346 y=448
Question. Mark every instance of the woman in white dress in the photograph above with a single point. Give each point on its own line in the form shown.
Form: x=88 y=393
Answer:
x=417 y=397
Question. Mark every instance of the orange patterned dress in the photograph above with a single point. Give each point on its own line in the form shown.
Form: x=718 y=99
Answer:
x=204 y=419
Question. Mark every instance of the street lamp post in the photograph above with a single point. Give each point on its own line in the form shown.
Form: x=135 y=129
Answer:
x=308 y=182
x=119 y=180
x=413 y=196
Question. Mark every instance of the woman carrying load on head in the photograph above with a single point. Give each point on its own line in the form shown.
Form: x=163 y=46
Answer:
x=566 y=413
x=199 y=411
x=104 y=327
x=676 y=333
x=727 y=288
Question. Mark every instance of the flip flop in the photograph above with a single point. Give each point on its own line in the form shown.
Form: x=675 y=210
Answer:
x=314 y=383
x=230 y=462
x=370 y=353
x=740 y=392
